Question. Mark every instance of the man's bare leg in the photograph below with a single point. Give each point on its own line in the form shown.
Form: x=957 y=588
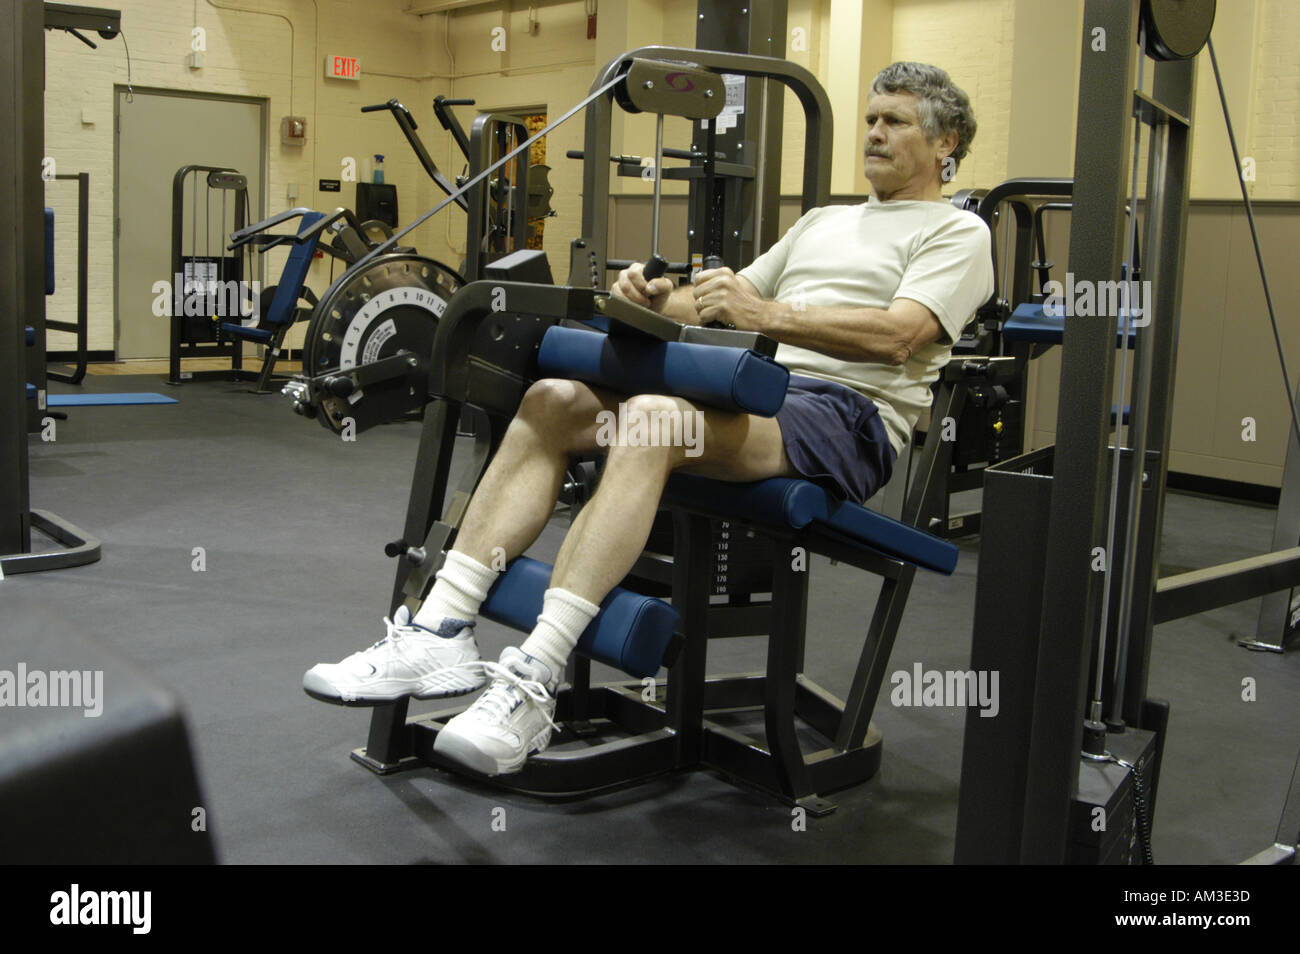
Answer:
x=514 y=717
x=610 y=533
x=516 y=496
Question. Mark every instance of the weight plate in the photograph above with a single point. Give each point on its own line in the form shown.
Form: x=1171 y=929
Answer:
x=391 y=305
x=1177 y=29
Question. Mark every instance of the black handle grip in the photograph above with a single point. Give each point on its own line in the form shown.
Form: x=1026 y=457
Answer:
x=455 y=102
x=394 y=106
x=655 y=267
x=340 y=385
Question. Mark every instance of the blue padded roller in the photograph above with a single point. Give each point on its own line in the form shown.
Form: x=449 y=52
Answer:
x=31 y=335
x=785 y=501
x=732 y=379
x=631 y=631
x=49 y=251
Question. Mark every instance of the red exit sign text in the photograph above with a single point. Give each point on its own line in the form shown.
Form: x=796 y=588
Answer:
x=343 y=67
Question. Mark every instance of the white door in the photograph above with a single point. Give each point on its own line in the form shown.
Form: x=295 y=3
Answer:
x=157 y=133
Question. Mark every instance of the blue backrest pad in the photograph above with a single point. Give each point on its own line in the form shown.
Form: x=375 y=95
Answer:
x=289 y=287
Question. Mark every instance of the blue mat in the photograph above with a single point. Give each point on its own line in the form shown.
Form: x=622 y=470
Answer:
x=88 y=400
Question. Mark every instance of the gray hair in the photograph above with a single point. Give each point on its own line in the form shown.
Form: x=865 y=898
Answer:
x=941 y=105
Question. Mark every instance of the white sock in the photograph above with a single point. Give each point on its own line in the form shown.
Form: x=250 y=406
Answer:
x=564 y=616
x=458 y=591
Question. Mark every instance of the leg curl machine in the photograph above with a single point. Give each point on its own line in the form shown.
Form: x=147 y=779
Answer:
x=492 y=340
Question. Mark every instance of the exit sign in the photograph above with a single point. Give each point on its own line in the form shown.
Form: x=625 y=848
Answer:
x=342 y=67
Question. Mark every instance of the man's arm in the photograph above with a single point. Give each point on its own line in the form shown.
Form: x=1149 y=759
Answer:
x=882 y=335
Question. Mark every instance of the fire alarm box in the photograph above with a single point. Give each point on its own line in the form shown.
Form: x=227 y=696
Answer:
x=293 y=131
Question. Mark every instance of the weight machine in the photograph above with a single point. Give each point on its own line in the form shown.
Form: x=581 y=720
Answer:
x=543 y=330
x=1078 y=739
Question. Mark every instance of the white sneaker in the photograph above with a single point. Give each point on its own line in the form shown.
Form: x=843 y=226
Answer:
x=409 y=661
x=508 y=722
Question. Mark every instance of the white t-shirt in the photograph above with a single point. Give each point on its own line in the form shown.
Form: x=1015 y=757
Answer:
x=866 y=256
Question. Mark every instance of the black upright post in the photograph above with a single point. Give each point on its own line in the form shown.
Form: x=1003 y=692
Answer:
x=752 y=204
x=1078 y=506
x=22 y=65
x=22 y=292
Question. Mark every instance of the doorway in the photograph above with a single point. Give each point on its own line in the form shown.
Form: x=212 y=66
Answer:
x=157 y=132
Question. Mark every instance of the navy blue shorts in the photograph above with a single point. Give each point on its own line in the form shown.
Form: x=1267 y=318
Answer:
x=834 y=438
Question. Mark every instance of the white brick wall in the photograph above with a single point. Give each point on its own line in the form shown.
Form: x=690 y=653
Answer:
x=1275 y=124
x=973 y=40
x=248 y=55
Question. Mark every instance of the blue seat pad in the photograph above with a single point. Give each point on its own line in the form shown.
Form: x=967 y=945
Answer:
x=794 y=503
x=249 y=334
x=1029 y=323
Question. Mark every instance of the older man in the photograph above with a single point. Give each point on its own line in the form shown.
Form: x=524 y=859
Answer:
x=865 y=301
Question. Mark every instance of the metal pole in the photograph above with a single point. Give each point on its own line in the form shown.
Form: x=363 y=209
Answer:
x=1082 y=427
x=1142 y=382
x=1112 y=512
x=1174 y=87
x=659 y=158
x=22 y=72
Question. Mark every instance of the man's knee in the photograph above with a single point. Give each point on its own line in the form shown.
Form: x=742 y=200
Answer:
x=654 y=423
x=562 y=412
x=551 y=400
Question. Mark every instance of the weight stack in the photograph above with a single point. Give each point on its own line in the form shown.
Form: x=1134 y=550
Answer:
x=117 y=787
x=998 y=767
x=1110 y=836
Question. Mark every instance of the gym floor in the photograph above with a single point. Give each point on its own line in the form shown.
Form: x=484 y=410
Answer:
x=293 y=521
